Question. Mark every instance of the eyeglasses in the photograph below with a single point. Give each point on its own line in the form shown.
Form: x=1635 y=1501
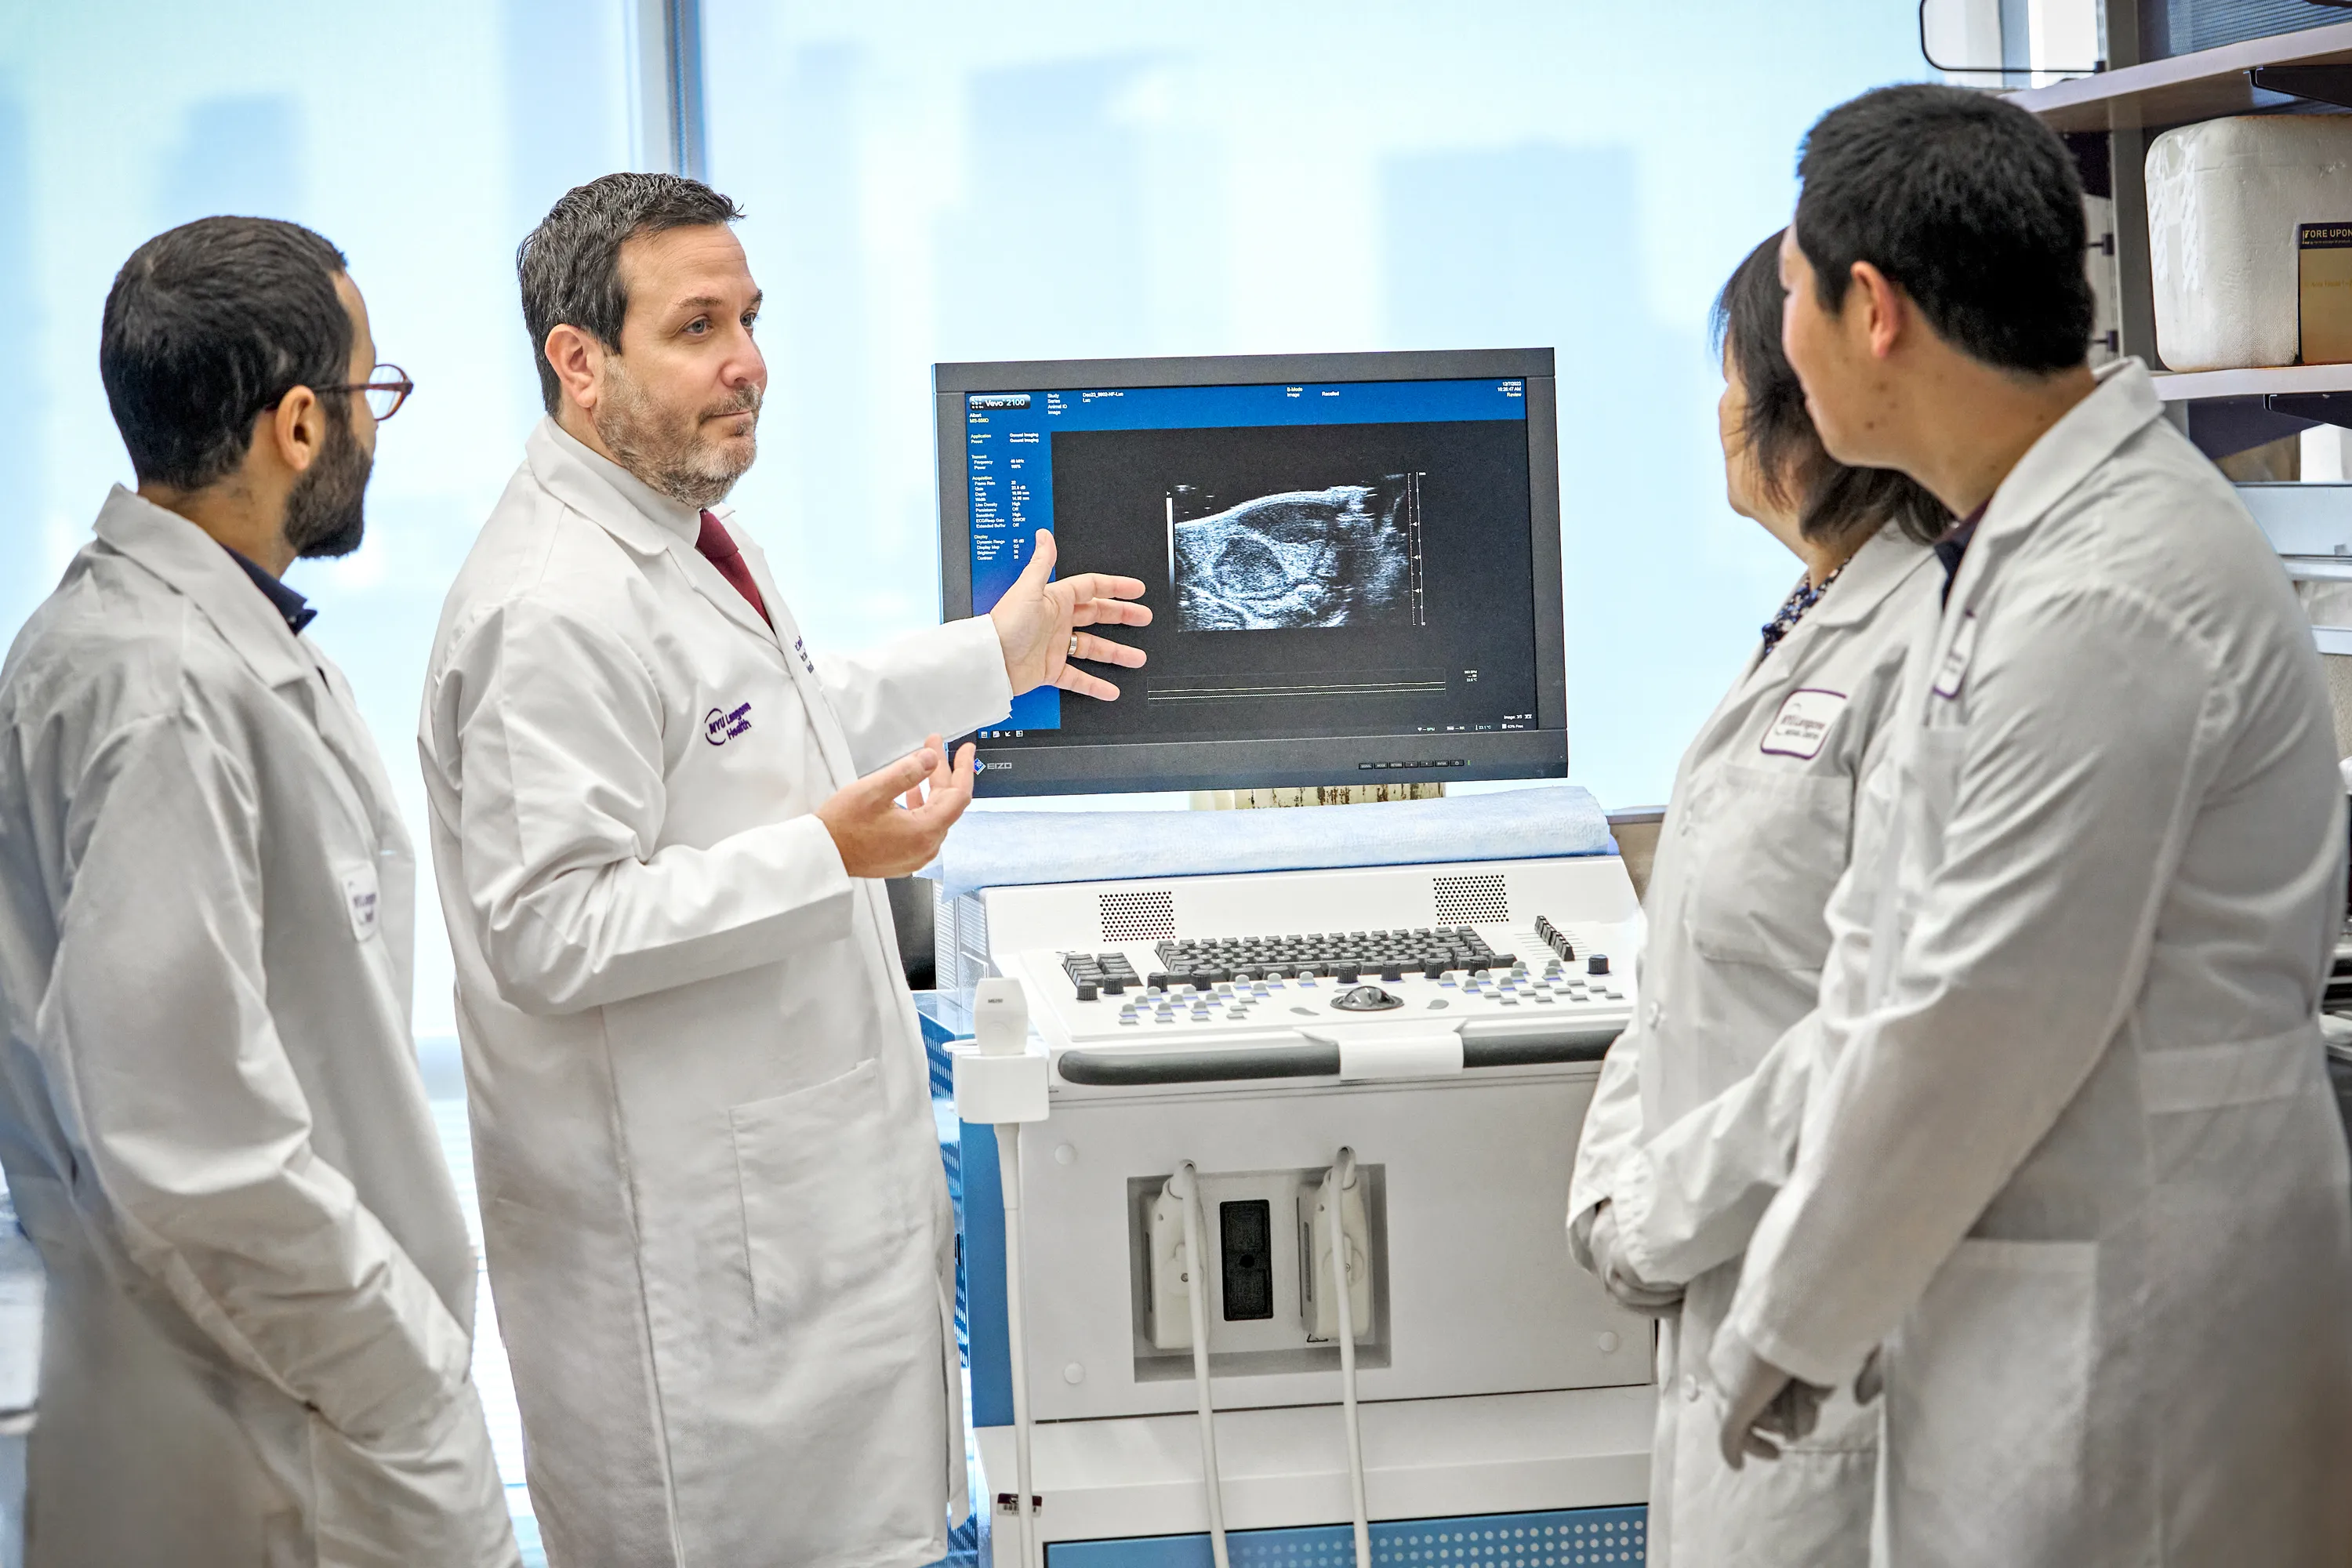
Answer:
x=387 y=387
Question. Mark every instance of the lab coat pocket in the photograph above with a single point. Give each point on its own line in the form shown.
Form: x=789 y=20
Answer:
x=1774 y=846
x=1987 y=1392
x=428 y=1493
x=825 y=1222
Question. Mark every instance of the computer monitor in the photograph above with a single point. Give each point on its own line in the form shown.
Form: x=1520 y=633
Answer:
x=1352 y=561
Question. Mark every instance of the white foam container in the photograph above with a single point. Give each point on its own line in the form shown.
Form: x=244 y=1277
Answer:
x=2224 y=198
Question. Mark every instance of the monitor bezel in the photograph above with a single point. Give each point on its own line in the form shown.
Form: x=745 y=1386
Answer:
x=1135 y=766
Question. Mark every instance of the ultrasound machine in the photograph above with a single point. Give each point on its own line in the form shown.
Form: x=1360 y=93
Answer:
x=1266 y=1258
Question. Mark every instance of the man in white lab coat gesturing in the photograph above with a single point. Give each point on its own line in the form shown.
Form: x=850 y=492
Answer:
x=259 y=1337
x=717 y=1225
x=2073 y=1186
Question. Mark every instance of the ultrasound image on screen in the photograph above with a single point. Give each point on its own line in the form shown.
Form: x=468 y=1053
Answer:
x=1354 y=579
x=1347 y=555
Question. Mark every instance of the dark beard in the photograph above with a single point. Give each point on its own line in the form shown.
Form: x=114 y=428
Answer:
x=326 y=510
x=664 y=450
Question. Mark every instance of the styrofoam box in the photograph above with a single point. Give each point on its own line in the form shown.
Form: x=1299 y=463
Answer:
x=2224 y=200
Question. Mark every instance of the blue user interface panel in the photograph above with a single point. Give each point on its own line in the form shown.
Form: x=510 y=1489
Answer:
x=1343 y=559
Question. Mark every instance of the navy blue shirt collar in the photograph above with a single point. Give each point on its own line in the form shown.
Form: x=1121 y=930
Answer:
x=287 y=602
x=1955 y=544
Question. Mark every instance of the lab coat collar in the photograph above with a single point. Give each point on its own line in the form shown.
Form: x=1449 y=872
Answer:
x=645 y=520
x=641 y=518
x=2122 y=405
x=191 y=563
x=1871 y=573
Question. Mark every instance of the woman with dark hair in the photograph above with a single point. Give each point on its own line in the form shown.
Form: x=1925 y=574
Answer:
x=1685 y=1139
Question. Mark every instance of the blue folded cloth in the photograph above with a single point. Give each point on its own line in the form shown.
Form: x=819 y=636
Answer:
x=1015 y=848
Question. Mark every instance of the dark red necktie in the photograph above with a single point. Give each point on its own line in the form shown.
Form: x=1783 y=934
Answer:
x=720 y=549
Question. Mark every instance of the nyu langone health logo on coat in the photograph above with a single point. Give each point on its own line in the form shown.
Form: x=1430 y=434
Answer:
x=721 y=725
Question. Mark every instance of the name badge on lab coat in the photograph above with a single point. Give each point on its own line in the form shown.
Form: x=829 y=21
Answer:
x=1802 y=723
x=1955 y=663
x=362 y=897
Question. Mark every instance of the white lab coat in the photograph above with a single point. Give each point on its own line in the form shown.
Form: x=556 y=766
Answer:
x=718 y=1228
x=1756 y=835
x=2078 y=1167
x=261 y=1295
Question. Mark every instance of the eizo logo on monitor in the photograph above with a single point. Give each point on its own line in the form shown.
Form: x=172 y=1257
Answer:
x=721 y=725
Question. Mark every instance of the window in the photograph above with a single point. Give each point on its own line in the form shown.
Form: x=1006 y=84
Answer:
x=423 y=139
x=928 y=181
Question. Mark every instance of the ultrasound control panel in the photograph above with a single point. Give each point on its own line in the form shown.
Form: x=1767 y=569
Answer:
x=1341 y=955
x=1208 y=963
x=1217 y=986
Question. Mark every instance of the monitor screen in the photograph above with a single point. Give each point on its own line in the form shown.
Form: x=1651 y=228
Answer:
x=1353 y=574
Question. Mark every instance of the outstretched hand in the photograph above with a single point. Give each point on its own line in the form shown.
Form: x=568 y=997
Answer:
x=892 y=822
x=1037 y=622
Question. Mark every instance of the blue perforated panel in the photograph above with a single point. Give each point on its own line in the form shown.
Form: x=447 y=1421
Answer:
x=1565 y=1538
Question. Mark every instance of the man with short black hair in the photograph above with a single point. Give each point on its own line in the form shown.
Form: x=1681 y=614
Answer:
x=716 y=1224
x=2071 y=1185
x=260 y=1291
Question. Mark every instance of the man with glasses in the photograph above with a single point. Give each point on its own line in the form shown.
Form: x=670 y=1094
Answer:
x=260 y=1288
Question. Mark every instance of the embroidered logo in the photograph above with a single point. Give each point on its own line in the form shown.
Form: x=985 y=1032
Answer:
x=721 y=725
x=801 y=649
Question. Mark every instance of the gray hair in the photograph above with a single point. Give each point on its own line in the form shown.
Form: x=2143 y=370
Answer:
x=570 y=265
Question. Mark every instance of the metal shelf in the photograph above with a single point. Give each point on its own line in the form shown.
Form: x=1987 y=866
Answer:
x=2203 y=86
x=2231 y=410
x=2187 y=386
